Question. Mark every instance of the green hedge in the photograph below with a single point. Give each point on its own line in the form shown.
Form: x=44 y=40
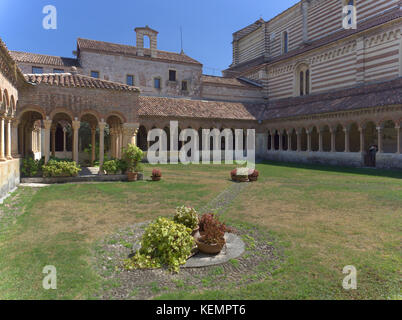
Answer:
x=57 y=168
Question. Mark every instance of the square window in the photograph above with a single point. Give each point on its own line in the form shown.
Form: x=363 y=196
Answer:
x=58 y=71
x=157 y=83
x=95 y=74
x=172 y=75
x=130 y=80
x=184 y=86
x=37 y=70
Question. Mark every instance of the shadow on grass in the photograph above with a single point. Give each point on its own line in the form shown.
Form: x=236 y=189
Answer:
x=388 y=173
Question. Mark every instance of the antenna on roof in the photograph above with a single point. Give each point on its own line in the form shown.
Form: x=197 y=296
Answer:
x=181 y=39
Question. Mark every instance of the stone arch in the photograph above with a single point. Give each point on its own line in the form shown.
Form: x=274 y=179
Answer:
x=285 y=142
x=142 y=138
x=93 y=113
x=58 y=111
x=31 y=108
x=314 y=139
x=370 y=134
x=12 y=108
x=389 y=137
x=303 y=138
x=29 y=142
x=6 y=100
x=118 y=114
x=339 y=138
x=302 y=76
x=354 y=137
x=326 y=138
x=293 y=140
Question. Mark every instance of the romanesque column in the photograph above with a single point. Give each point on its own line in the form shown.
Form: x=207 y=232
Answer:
x=129 y=130
x=65 y=142
x=379 y=130
x=289 y=132
x=14 y=139
x=8 y=149
x=333 y=132
x=398 y=139
x=308 y=140
x=320 y=142
x=2 y=140
x=298 y=134
x=346 y=130
x=273 y=141
x=362 y=142
x=280 y=140
x=93 y=142
x=102 y=126
x=76 y=128
x=47 y=124
x=112 y=143
x=54 y=142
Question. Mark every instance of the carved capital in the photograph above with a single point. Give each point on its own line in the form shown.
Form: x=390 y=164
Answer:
x=47 y=124
x=76 y=125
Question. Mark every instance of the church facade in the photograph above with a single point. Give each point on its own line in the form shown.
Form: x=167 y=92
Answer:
x=314 y=91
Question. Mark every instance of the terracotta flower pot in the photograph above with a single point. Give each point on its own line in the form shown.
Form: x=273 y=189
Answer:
x=132 y=176
x=252 y=178
x=209 y=248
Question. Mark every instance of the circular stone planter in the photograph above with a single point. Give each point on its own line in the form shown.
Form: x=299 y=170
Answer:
x=233 y=248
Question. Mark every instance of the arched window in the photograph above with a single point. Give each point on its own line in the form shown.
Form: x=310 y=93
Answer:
x=285 y=42
x=303 y=78
x=349 y=3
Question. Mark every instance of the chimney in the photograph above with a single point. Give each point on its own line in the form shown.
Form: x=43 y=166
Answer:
x=153 y=40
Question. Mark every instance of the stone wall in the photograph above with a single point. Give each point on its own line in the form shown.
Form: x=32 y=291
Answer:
x=9 y=176
x=228 y=93
x=117 y=67
x=347 y=159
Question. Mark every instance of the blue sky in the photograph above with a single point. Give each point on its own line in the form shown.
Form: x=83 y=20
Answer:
x=207 y=24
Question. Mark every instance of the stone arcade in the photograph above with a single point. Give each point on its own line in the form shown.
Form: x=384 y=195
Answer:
x=314 y=92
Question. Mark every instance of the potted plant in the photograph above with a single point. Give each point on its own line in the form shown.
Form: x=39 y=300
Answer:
x=253 y=175
x=133 y=156
x=240 y=174
x=187 y=216
x=156 y=175
x=212 y=234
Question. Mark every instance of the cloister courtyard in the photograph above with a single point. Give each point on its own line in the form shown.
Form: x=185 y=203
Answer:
x=315 y=219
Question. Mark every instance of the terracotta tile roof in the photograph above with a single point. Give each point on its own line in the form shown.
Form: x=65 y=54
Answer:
x=43 y=59
x=233 y=82
x=182 y=108
x=368 y=96
x=122 y=49
x=76 y=81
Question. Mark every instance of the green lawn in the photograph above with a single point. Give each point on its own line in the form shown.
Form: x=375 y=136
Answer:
x=322 y=219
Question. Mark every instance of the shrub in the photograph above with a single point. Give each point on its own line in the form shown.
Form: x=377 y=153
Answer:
x=111 y=166
x=133 y=156
x=31 y=167
x=213 y=231
x=164 y=243
x=122 y=165
x=186 y=216
x=156 y=173
x=253 y=173
x=56 y=168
